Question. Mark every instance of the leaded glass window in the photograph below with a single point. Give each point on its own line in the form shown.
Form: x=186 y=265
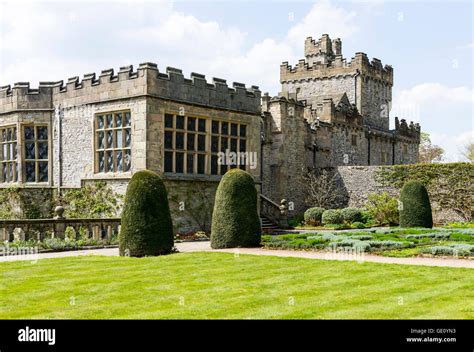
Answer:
x=113 y=141
x=8 y=155
x=36 y=153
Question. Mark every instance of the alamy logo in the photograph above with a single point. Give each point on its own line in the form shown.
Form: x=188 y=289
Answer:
x=237 y=158
x=37 y=335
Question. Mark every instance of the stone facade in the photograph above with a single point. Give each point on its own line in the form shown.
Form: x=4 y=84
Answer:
x=330 y=112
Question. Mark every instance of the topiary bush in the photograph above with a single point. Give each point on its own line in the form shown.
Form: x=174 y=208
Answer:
x=146 y=226
x=351 y=215
x=235 y=220
x=313 y=216
x=332 y=216
x=415 y=210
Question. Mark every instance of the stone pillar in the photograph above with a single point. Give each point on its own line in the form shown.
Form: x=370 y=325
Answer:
x=59 y=226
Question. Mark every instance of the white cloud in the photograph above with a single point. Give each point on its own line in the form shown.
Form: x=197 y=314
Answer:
x=453 y=145
x=324 y=18
x=436 y=93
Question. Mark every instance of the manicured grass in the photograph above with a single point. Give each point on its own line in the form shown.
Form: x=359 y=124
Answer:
x=222 y=285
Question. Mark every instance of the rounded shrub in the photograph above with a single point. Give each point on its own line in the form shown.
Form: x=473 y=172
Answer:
x=332 y=216
x=351 y=215
x=415 y=209
x=235 y=220
x=146 y=226
x=313 y=216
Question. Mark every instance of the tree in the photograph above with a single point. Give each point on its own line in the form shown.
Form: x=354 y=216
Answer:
x=235 y=220
x=323 y=187
x=415 y=210
x=428 y=152
x=468 y=152
x=146 y=226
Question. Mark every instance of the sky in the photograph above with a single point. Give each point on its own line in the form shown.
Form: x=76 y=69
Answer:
x=428 y=43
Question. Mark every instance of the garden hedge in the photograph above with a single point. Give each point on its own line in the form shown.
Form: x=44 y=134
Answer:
x=313 y=216
x=415 y=208
x=332 y=216
x=235 y=220
x=146 y=226
x=351 y=215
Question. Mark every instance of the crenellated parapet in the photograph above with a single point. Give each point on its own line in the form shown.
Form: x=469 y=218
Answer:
x=338 y=66
x=411 y=130
x=146 y=80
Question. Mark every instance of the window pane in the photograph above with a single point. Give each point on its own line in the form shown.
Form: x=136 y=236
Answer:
x=5 y=152
x=10 y=172
x=180 y=122
x=190 y=163
x=29 y=133
x=223 y=144
x=168 y=139
x=168 y=161
x=179 y=163
x=168 y=121
x=4 y=171
x=215 y=127
x=118 y=120
x=243 y=130
x=14 y=147
x=119 y=161
x=224 y=128
x=191 y=124
x=110 y=139
x=202 y=125
x=201 y=163
x=109 y=157
x=127 y=160
x=243 y=145
x=43 y=171
x=101 y=162
x=190 y=141
x=128 y=120
x=9 y=134
x=30 y=150
x=4 y=135
x=214 y=164
x=42 y=132
x=201 y=142
x=233 y=145
x=214 y=144
x=118 y=139
x=110 y=121
x=179 y=140
x=128 y=137
x=100 y=140
x=42 y=150
x=30 y=171
x=100 y=121
x=233 y=129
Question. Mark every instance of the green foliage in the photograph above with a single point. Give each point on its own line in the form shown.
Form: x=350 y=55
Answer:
x=358 y=225
x=382 y=208
x=235 y=221
x=332 y=216
x=462 y=250
x=296 y=220
x=449 y=185
x=146 y=226
x=351 y=215
x=19 y=203
x=95 y=200
x=313 y=216
x=416 y=208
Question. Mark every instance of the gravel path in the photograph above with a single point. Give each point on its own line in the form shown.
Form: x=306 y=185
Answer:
x=205 y=247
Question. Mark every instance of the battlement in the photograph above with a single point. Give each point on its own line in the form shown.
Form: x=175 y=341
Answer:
x=126 y=83
x=323 y=59
x=412 y=130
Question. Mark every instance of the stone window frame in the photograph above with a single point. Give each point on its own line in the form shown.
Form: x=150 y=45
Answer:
x=115 y=149
x=207 y=153
x=186 y=153
x=354 y=140
x=9 y=143
x=36 y=160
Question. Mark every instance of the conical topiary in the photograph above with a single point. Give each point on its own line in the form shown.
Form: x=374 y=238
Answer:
x=146 y=226
x=235 y=220
x=415 y=208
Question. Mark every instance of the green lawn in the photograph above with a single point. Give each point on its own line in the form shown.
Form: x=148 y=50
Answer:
x=221 y=285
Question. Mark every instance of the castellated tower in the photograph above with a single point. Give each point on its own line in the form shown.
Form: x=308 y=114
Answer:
x=325 y=74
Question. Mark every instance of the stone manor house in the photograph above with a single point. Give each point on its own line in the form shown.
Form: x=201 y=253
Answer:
x=330 y=112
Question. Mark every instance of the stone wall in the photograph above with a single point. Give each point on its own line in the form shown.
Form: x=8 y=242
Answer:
x=357 y=182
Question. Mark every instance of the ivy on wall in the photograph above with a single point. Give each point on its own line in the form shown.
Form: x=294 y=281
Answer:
x=21 y=203
x=95 y=200
x=450 y=185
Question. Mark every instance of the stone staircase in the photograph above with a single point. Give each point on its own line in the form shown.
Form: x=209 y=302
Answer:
x=267 y=224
